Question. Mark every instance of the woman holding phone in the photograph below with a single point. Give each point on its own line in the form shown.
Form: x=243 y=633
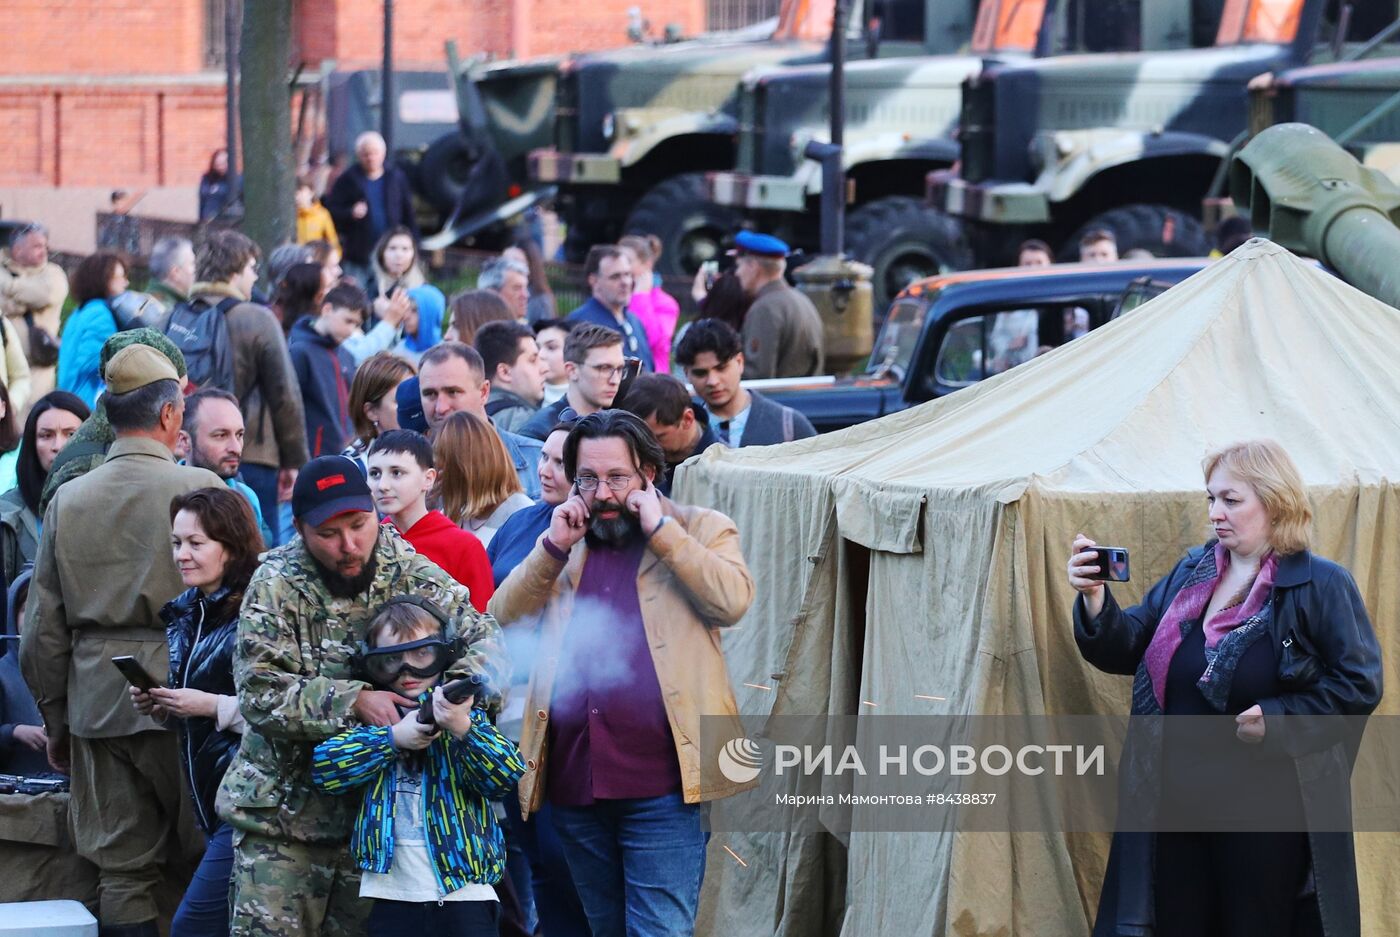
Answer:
x=216 y=543
x=1250 y=625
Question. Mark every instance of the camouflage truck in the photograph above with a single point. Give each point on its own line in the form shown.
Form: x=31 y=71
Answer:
x=1127 y=142
x=901 y=118
x=636 y=129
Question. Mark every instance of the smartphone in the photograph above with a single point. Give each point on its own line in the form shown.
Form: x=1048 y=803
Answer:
x=711 y=270
x=135 y=674
x=1112 y=563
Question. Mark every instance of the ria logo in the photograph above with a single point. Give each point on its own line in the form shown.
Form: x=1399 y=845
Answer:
x=740 y=760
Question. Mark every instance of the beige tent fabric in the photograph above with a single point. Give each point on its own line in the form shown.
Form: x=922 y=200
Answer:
x=951 y=523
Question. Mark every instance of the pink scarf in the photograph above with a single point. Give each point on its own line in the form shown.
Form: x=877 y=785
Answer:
x=1190 y=603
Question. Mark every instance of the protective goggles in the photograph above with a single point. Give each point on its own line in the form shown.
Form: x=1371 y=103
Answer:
x=424 y=658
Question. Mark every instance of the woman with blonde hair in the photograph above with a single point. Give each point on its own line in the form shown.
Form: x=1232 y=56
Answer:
x=1255 y=626
x=476 y=484
x=472 y=309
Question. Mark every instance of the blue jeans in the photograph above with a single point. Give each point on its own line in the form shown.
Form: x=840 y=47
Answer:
x=556 y=900
x=263 y=480
x=204 y=911
x=637 y=864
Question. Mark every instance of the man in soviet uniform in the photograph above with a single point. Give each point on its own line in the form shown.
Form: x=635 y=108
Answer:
x=103 y=572
x=88 y=447
x=307 y=606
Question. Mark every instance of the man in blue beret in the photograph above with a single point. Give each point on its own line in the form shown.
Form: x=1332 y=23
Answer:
x=782 y=332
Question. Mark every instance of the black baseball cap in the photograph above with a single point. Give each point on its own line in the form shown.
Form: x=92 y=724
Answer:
x=327 y=486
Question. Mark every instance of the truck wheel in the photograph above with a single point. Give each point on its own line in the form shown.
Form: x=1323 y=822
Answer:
x=443 y=172
x=904 y=240
x=1166 y=232
x=691 y=228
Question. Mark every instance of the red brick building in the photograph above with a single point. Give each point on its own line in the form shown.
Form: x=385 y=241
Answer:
x=97 y=95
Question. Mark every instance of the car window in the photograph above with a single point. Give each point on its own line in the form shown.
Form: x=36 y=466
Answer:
x=894 y=348
x=983 y=345
x=960 y=356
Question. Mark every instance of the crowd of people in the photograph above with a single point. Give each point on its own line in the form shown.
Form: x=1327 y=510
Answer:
x=390 y=624
x=330 y=498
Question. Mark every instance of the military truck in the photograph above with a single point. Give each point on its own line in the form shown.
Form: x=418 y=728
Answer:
x=901 y=118
x=1357 y=103
x=1127 y=142
x=636 y=129
x=948 y=332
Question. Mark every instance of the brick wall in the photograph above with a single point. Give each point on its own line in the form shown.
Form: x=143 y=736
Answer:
x=129 y=136
x=112 y=93
x=102 y=37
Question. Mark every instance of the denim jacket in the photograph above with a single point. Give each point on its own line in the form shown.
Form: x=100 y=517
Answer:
x=464 y=840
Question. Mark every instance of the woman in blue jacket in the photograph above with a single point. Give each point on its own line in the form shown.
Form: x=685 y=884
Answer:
x=98 y=280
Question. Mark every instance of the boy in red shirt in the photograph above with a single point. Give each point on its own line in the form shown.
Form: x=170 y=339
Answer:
x=401 y=474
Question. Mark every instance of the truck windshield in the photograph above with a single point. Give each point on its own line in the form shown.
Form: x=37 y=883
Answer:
x=1007 y=26
x=1245 y=21
x=894 y=348
x=805 y=20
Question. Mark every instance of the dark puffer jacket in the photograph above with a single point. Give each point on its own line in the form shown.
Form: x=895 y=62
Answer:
x=200 y=630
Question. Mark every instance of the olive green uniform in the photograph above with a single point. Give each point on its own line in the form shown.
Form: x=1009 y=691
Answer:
x=783 y=334
x=293 y=872
x=103 y=572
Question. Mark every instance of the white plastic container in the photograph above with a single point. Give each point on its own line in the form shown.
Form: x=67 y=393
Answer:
x=46 y=919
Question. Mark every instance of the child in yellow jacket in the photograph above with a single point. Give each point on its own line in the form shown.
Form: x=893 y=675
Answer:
x=313 y=221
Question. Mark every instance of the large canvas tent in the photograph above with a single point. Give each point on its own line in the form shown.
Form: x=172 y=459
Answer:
x=917 y=563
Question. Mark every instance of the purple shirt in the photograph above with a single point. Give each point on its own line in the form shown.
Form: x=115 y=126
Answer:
x=609 y=737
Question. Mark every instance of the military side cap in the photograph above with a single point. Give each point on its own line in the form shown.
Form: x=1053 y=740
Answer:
x=761 y=245
x=143 y=336
x=137 y=365
x=328 y=486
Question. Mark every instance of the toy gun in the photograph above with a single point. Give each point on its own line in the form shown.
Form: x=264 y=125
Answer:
x=16 y=784
x=456 y=691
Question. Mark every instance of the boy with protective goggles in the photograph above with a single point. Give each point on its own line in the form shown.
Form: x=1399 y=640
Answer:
x=425 y=835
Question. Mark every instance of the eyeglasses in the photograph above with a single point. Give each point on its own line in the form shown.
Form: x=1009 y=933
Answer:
x=608 y=371
x=617 y=483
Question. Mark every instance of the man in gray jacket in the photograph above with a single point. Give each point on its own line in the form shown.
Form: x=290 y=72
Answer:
x=103 y=572
x=714 y=362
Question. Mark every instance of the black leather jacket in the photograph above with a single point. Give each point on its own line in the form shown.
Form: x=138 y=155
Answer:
x=200 y=630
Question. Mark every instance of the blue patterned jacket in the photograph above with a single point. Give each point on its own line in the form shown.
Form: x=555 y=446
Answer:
x=464 y=839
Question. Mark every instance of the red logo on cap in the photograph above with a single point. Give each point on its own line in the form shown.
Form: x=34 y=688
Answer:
x=330 y=481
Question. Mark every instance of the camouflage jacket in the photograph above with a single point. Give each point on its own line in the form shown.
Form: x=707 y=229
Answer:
x=294 y=669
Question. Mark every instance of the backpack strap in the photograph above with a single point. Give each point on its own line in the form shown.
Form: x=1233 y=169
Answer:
x=789 y=429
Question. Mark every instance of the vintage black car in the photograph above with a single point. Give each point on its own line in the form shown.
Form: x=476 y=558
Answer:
x=948 y=332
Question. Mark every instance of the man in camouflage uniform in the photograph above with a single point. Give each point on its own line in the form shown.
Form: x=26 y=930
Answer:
x=88 y=447
x=307 y=606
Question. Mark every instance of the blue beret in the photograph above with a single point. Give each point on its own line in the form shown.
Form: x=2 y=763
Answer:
x=764 y=245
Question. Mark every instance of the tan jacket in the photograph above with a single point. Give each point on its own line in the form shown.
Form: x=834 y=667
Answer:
x=14 y=369
x=103 y=572
x=691 y=582
x=37 y=290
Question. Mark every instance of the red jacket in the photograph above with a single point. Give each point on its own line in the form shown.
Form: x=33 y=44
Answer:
x=457 y=551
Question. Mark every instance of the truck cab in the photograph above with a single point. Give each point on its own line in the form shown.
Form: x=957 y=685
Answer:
x=635 y=129
x=1125 y=142
x=901 y=121
x=949 y=332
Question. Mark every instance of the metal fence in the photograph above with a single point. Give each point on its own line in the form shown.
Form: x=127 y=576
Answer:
x=736 y=14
